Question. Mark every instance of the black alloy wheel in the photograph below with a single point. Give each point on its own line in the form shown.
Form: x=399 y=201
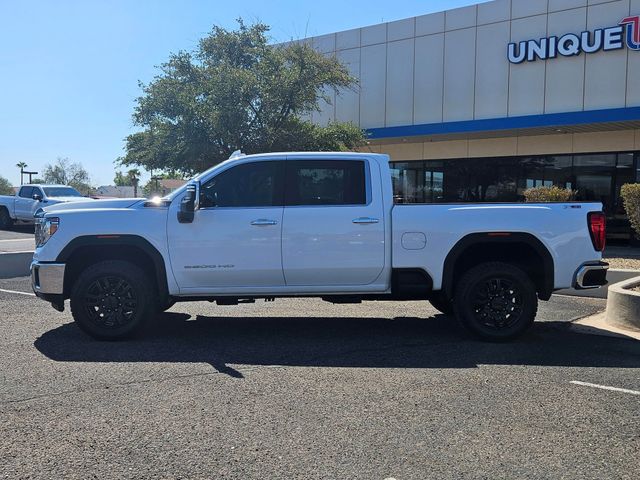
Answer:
x=112 y=300
x=495 y=301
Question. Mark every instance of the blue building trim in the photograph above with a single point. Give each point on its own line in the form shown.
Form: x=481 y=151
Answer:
x=509 y=123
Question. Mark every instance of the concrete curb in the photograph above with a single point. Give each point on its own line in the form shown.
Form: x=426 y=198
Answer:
x=621 y=318
x=15 y=264
x=597 y=325
x=623 y=305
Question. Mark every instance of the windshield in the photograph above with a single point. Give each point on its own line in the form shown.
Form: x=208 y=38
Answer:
x=61 y=192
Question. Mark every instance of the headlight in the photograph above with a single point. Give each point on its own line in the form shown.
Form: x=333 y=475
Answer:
x=45 y=227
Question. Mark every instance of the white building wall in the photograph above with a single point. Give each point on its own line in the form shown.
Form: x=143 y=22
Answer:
x=453 y=65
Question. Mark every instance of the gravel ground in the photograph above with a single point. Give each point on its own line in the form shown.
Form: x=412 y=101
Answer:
x=623 y=257
x=624 y=263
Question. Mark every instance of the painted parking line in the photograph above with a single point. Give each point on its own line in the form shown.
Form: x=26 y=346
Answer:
x=17 y=292
x=605 y=387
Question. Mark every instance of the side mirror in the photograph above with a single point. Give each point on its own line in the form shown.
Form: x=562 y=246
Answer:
x=189 y=203
x=37 y=197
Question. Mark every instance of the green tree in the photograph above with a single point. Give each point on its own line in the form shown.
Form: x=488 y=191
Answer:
x=152 y=186
x=5 y=187
x=236 y=91
x=65 y=172
x=129 y=179
x=21 y=166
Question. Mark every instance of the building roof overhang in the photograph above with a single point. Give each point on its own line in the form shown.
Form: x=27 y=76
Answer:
x=545 y=124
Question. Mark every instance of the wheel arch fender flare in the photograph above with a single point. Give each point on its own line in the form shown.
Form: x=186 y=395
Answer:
x=125 y=240
x=497 y=238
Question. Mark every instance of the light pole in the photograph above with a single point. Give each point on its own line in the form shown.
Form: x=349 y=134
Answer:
x=30 y=174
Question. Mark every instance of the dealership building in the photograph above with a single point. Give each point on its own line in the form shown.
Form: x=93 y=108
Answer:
x=481 y=102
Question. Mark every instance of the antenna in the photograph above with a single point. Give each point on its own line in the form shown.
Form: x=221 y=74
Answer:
x=237 y=154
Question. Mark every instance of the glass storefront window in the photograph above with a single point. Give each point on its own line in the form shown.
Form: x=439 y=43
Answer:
x=599 y=160
x=408 y=182
x=595 y=177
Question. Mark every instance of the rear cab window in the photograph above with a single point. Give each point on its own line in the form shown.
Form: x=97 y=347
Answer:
x=325 y=182
x=26 y=192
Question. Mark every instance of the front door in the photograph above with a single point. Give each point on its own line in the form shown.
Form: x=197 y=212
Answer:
x=234 y=240
x=333 y=227
x=25 y=204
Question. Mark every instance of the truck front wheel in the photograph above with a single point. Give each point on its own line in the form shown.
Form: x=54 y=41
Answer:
x=113 y=299
x=496 y=301
x=442 y=304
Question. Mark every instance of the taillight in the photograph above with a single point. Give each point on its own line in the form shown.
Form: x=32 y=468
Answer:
x=597 y=229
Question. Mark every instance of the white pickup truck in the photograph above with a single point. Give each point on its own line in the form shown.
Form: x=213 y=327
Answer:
x=22 y=206
x=311 y=225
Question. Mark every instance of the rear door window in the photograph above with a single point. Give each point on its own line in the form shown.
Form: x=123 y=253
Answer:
x=325 y=182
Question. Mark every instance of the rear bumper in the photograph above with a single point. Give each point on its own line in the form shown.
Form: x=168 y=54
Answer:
x=591 y=275
x=47 y=278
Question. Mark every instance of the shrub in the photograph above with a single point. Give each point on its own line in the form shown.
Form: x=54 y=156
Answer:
x=631 y=195
x=548 y=194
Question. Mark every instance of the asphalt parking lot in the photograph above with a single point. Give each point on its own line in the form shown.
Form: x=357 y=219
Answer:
x=306 y=389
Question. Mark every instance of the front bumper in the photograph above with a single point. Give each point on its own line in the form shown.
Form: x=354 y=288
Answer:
x=47 y=279
x=591 y=275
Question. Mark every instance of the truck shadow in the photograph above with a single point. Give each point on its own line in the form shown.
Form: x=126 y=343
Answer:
x=338 y=342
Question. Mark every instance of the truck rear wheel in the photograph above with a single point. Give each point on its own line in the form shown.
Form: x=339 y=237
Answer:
x=5 y=219
x=495 y=301
x=112 y=300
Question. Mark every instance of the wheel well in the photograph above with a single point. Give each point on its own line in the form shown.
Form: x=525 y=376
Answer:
x=92 y=252
x=521 y=250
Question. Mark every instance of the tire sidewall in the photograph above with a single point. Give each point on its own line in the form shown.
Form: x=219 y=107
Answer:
x=140 y=285
x=440 y=303
x=5 y=219
x=463 y=306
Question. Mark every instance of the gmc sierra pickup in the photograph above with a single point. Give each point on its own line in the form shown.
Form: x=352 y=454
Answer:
x=313 y=225
x=22 y=206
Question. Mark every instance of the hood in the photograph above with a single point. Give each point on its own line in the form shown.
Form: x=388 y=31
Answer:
x=70 y=199
x=93 y=204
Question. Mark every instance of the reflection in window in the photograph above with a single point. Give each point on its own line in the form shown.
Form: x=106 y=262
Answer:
x=325 y=182
x=596 y=177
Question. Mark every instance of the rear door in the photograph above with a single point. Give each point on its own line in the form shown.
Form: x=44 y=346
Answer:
x=333 y=227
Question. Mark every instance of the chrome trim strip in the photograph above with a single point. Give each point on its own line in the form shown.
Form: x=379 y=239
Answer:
x=582 y=272
x=47 y=277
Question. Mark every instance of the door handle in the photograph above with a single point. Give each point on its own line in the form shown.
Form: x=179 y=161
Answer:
x=364 y=220
x=264 y=221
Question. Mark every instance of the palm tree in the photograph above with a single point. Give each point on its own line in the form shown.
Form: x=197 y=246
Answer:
x=21 y=166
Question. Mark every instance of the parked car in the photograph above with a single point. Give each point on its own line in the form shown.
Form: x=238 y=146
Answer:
x=311 y=225
x=22 y=206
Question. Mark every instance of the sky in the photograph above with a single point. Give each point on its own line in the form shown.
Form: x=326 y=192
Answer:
x=69 y=70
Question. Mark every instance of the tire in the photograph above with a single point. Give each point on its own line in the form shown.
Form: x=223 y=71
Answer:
x=5 y=219
x=442 y=304
x=163 y=308
x=112 y=300
x=495 y=301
